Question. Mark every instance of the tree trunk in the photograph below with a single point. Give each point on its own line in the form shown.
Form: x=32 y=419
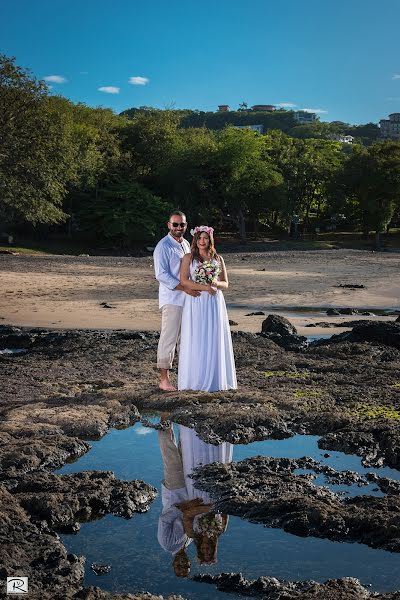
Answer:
x=242 y=225
x=255 y=225
x=378 y=240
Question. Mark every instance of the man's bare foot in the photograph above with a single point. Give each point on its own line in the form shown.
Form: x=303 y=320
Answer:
x=166 y=386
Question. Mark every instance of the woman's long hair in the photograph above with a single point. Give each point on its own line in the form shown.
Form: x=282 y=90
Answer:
x=195 y=251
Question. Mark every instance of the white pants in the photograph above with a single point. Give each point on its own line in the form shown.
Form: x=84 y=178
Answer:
x=171 y=317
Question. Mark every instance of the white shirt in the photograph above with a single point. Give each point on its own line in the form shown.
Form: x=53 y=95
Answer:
x=167 y=264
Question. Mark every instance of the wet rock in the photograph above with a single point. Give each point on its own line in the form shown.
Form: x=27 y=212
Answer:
x=64 y=501
x=95 y=593
x=33 y=550
x=255 y=314
x=352 y=286
x=386 y=485
x=378 y=443
x=279 y=325
x=332 y=311
x=242 y=424
x=348 y=311
x=85 y=420
x=35 y=449
x=232 y=322
x=13 y=337
x=100 y=569
x=280 y=331
x=265 y=490
x=326 y=324
x=271 y=588
x=386 y=333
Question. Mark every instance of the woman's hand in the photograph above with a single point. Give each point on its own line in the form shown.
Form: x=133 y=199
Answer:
x=212 y=290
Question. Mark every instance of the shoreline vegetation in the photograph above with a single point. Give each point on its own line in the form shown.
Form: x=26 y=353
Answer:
x=93 y=174
x=60 y=245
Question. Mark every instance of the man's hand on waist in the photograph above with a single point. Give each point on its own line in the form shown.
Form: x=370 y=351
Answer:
x=190 y=292
x=181 y=288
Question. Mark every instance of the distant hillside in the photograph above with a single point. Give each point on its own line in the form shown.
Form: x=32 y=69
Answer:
x=280 y=119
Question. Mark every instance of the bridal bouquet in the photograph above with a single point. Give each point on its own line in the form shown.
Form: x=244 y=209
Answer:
x=207 y=272
x=210 y=524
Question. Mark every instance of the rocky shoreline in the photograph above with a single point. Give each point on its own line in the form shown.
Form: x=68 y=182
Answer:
x=70 y=386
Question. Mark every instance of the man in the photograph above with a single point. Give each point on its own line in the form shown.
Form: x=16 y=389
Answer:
x=167 y=263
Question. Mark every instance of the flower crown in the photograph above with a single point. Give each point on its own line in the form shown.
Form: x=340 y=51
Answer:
x=202 y=228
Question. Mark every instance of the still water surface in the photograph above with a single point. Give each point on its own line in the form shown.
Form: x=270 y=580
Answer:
x=139 y=563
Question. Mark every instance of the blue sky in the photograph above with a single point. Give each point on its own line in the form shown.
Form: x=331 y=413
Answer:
x=339 y=57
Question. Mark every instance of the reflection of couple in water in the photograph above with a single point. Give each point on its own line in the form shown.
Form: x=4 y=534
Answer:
x=191 y=283
x=188 y=514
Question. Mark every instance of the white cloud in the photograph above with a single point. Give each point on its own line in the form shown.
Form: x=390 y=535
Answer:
x=50 y=87
x=110 y=89
x=286 y=104
x=396 y=76
x=138 y=80
x=318 y=111
x=55 y=78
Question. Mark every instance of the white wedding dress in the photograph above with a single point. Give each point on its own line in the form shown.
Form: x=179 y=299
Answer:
x=206 y=359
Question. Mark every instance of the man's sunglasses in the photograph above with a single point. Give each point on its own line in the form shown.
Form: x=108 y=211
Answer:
x=182 y=225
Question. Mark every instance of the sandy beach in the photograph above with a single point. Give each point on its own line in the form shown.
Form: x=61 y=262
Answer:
x=75 y=292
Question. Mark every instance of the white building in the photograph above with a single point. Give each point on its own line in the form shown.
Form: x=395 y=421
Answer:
x=258 y=128
x=303 y=116
x=390 y=128
x=343 y=139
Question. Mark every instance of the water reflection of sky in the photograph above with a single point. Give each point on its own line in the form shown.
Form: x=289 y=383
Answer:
x=139 y=563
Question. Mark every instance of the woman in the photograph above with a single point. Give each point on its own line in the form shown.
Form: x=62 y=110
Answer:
x=206 y=359
x=188 y=513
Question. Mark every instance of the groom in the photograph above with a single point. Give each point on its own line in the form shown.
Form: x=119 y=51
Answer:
x=167 y=263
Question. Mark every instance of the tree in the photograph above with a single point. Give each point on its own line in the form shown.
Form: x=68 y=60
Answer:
x=124 y=212
x=371 y=177
x=246 y=176
x=307 y=167
x=33 y=166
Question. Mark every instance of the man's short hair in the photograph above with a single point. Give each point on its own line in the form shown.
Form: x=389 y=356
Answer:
x=178 y=213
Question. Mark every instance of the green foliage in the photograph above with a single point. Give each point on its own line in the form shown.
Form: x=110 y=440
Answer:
x=117 y=175
x=124 y=212
x=371 y=181
x=33 y=162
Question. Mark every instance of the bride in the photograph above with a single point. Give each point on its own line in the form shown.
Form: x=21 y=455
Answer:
x=206 y=359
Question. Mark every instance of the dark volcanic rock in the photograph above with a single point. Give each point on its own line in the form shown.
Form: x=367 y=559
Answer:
x=383 y=333
x=95 y=593
x=270 y=588
x=37 y=450
x=348 y=311
x=33 y=550
x=64 y=501
x=280 y=331
x=332 y=311
x=278 y=324
x=378 y=443
x=265 y=490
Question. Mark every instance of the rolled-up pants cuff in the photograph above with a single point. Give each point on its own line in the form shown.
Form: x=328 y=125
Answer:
x=171 y=316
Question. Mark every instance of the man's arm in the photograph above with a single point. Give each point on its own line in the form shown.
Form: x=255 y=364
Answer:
x=162 y=270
